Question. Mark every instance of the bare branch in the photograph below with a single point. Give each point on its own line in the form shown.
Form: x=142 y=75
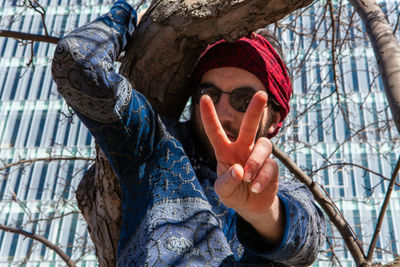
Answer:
x=181 y=30
x=37 y=7
x=332 y=251
x=25 y=161
x=29 y=36
x=342 y=164
x=42 y=240
x=28 y=255
x=53 y=217
x=382 y=212
x=329 y=207
x=397 y=24
x=386 y=49
x=333 y=54
x=23 y=206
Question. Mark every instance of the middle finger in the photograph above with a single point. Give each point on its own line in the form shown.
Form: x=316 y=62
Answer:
x=251 y=119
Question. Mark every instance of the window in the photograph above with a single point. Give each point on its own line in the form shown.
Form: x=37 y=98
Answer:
x=15 y=84
x=15 y=128
x=41 y=128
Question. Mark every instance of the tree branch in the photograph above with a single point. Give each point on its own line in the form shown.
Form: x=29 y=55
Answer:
x=172 y=35
x=332 y=251
x=29 y=36
x=25 y=161
x=382 y=212
x=329 y=207
x=342 y=164
x=386 y=49
x=42 y=240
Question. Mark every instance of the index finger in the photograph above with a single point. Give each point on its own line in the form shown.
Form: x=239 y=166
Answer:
x=251 y=119
x=212 y=126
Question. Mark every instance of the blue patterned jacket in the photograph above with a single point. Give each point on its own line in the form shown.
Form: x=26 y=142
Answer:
x=171 y=215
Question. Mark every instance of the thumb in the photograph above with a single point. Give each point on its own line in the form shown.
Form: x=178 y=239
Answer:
x=227 y=183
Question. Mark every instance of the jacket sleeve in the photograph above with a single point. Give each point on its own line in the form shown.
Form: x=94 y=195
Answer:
x=121 y=120
x=304 y=229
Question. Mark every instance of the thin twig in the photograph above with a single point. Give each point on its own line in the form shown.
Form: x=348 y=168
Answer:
x=22 y=205
x=42 y=240
x=36 y=6
x=25 y=161
x=333 y=54
x=382 y=212
x=332 y=251
x=53 y=217
x=342 y=164
x=397 y=24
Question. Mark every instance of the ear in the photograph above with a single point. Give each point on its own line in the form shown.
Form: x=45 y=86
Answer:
x=276 y=118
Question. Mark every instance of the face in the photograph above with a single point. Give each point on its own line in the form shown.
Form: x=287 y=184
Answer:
x=228 y=79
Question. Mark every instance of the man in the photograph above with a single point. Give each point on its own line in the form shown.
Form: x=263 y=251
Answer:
x=177 y=210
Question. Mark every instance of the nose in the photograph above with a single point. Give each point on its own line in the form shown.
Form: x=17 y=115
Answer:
x=224 y=110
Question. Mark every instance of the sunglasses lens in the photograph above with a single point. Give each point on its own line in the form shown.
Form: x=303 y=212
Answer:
x=211 y=92
x=241 y=98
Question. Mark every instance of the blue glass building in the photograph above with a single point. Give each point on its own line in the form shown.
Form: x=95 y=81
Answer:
x=340 y=128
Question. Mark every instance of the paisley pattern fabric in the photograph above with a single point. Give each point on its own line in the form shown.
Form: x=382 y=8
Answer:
x=171 y=215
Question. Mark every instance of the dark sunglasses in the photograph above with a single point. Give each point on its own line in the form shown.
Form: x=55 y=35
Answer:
x=239 y=98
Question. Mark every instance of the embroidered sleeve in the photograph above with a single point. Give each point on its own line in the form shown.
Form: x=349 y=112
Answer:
x=167 y=220
x=122 y=121
x=83 y=65
x=304 y=230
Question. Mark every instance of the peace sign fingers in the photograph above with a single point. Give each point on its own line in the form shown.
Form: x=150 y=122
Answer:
x=251 y=119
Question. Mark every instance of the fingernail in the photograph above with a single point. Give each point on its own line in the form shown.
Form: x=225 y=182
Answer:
x=234 y=173
x=255 y=188
x=247 y=176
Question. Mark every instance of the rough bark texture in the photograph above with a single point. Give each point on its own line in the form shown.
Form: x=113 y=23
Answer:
x=173 y=34
x=158 y=63
x=99 y=199
x=387 y=51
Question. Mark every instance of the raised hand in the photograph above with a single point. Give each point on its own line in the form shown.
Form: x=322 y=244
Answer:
x=248 y=178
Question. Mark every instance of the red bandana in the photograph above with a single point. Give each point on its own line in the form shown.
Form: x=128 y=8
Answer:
x=255 y=55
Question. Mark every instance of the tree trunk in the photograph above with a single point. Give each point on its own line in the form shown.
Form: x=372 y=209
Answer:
x=158 y=63
x=99 y=199
x=172 y=35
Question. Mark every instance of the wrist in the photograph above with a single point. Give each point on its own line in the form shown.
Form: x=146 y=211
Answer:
x=269 y=224
x=124 y=15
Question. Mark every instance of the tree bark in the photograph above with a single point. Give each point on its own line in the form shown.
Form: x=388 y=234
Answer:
x=172 y=35
x=387 y=51
x=99 y=199
x=29 y=36
x=158 y=63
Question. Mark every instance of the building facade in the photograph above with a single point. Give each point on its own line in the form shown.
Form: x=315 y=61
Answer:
x=339 y=131
x=340 y=128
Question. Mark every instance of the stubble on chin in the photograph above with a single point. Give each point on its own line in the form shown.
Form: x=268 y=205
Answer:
x=204 y=145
